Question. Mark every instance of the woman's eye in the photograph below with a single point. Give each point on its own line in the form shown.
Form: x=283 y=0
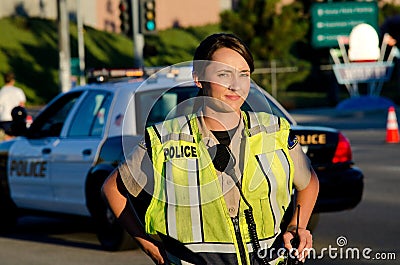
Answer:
x=244 y=74
x=224 y=75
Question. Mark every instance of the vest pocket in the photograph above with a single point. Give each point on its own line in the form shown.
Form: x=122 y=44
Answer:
x=266 y=226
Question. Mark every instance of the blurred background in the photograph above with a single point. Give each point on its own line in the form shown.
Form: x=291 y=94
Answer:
x=292 y=62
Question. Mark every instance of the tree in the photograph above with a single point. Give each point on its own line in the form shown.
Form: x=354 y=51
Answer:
x=270 y=32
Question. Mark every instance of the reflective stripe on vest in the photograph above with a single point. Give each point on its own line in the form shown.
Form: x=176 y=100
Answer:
x=179 y=176
x=265 y=158
x=186 y=188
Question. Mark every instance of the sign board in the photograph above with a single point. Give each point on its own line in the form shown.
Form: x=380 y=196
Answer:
x=75 y=69
x=363 y=72
x=333 y=19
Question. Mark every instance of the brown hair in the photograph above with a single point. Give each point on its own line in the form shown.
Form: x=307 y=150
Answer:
x=209 y=45
x=8 y=77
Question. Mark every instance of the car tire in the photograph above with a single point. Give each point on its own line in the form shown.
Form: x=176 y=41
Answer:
x=8 y=220
x=111 y=235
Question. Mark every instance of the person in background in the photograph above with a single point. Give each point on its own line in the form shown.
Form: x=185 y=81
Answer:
x=213 y=187
x=391 y=26
x=390 y=33
x=10 y=97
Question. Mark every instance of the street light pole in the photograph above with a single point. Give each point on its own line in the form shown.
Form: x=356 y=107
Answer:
x=138 y=38
x=81 y=44
x=64 y=46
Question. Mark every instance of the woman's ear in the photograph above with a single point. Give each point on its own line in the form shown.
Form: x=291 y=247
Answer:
x=196 y=80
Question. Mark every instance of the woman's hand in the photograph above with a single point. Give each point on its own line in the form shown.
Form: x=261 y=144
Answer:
x=305 y=242
x=153 y=250
x=305 y=199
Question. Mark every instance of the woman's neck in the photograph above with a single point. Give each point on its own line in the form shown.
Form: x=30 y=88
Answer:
x=220 y=121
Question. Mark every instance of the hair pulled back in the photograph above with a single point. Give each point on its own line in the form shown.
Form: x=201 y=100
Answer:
x=209 y=45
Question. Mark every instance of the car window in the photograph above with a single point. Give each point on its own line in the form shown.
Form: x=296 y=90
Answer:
x=257 y=101
x=50 y=122
x=92 y=113
x=165 y=103
x=157 y=105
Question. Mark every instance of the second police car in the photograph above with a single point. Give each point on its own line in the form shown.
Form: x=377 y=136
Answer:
x=75 y=142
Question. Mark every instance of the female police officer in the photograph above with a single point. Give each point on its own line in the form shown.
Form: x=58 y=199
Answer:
x=214 y=186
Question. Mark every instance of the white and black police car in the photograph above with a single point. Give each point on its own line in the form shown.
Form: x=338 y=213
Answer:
x=73 y=144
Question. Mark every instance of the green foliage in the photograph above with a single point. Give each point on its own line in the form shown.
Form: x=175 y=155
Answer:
x=103 y=49
x=29 y=47
x=271 y=34
x=388 y=9
x=175 y=45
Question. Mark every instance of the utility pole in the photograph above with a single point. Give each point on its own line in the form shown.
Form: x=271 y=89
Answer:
x=64 y=46
x=273 y=79
x=138 y=38
x=81 y=44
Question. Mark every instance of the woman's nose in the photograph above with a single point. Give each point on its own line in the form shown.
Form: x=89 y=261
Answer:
x=234 y=84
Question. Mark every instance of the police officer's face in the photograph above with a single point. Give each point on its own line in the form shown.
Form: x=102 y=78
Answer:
x=228 y=79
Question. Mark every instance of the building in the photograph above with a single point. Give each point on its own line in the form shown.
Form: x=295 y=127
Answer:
x=104 y=14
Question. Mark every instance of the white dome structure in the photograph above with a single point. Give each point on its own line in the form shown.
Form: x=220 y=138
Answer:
x=363 y=44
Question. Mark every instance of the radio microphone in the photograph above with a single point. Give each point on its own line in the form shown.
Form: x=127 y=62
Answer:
x=224 y=161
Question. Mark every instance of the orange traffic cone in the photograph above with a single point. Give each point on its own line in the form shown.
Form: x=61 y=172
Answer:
x=392 y=127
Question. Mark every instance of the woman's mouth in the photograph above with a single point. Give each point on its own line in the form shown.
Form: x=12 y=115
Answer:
x=233 y=97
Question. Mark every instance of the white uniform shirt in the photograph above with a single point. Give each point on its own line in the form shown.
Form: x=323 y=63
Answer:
x=10 y=97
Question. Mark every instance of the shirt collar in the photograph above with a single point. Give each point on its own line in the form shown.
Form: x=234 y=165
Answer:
x=208 y=137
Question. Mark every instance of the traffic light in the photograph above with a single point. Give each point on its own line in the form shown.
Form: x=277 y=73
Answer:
x=147 y=16
x=125 y=8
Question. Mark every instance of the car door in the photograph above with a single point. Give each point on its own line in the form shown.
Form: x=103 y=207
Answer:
x=30 y=157
x=75 y=152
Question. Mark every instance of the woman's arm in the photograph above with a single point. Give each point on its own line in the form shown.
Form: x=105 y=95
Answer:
x=113 y=190
x=306 y=198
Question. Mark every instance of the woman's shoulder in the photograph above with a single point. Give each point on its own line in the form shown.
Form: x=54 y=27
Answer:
x=179 y=124
x=266 y=119
x=175 y=120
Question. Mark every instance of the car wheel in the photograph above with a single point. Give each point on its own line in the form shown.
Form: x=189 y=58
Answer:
x=9 y=217
x=110 y=234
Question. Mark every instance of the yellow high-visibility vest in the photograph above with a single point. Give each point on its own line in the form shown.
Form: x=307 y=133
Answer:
x=188 y=203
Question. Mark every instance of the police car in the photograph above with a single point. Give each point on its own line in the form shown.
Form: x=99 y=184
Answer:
x=75 y=142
